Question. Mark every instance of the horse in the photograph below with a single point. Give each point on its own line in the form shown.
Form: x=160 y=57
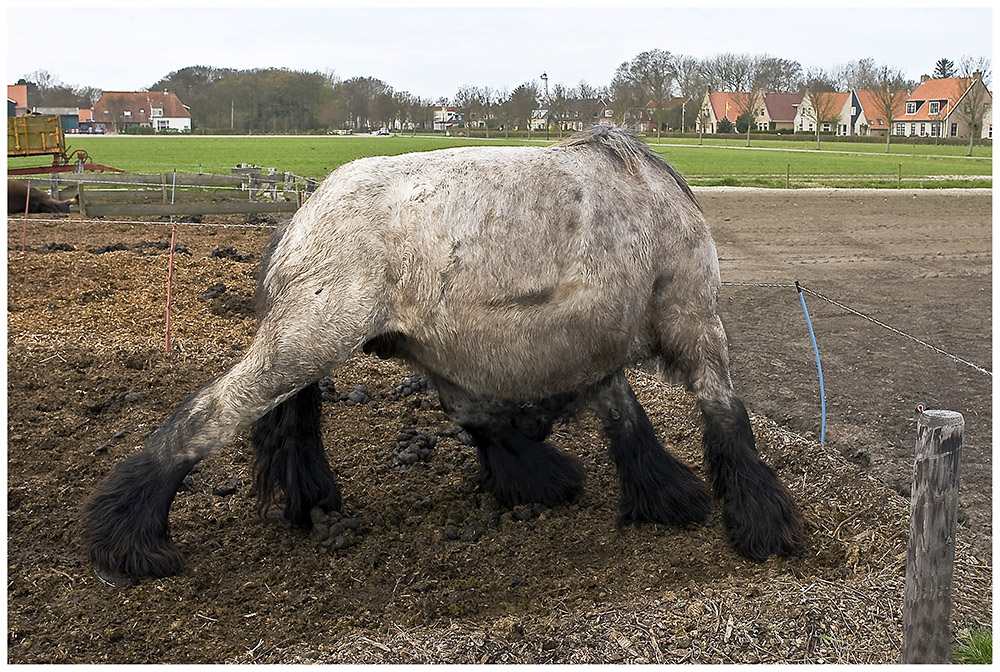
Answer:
x=23 y=198
x=522 y=282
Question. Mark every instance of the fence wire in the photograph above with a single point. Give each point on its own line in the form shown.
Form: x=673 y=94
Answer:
x=865 y=317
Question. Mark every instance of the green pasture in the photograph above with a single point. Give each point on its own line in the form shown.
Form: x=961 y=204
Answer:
x=769 y=163
x=305 y=155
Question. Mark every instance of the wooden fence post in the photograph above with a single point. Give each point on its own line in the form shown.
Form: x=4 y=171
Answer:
x=931 y=551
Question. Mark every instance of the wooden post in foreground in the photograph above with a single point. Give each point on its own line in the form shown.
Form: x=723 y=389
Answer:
x=931 y=551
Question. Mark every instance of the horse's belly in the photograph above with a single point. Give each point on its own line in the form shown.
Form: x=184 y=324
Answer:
x=528 y=351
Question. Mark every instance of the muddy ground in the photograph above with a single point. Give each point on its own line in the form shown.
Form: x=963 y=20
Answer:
x=424 y=567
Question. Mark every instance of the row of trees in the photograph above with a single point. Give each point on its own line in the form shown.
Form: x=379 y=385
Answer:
x=285 y=101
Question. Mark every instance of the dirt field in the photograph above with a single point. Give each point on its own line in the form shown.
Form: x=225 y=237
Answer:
x=425 y=568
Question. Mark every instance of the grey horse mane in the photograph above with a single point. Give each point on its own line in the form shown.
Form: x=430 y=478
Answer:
x=628 y=149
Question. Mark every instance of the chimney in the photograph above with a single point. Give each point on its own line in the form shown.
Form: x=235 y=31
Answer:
x=924 y=78
x=977 y=76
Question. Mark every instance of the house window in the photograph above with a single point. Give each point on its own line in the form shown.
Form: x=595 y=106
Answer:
x=935 y=130
x=900 y=129
x=127 y=113
x=954 y=130
x=913 y=129
x=607 y=114
x=911 y=108
x=935 y=107
x=923 y=129
x=156 y=112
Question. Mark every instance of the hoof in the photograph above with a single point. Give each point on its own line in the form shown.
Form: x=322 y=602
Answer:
x=539 y=474
x=677 y=499
x=761 y=527
x=125 y=565
x=124 y=524
x=298 y=510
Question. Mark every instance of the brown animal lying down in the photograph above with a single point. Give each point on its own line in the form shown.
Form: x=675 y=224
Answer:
x=18 y=193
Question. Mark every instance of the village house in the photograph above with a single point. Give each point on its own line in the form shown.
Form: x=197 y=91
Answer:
x=716 y=106
x=779 y=111
x=17 y=100
x=833 y=113
x=445 y=116
x=123 y=111
x=940 y=108
x=871 y=118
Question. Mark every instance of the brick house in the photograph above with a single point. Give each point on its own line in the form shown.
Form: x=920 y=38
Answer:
x=121 y=111
x=17 y=100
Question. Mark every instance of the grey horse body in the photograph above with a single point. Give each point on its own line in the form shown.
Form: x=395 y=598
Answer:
x=516 y=273
x=517 y=278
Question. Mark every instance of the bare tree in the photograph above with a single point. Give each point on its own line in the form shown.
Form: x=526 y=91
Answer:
x=468 y=100
x=821 y=96
x=779 y=74
x=625 y=94
x=742 y=75
x=691 y=82
x=559 y=103
x=974 y=78
x=521 y=103
x=651 y=75
x=861 y=74
x=889 y=90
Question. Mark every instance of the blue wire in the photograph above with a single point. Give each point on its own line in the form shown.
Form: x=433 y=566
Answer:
x=819 y=367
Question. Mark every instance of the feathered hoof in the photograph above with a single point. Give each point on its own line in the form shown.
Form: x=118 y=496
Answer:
x=680 y=500
x=124 y=524
x=540 y=475
x=124 y=568
x=763 y=527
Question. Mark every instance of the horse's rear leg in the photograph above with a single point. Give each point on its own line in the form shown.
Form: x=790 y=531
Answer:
x=125 y=522
x=758 y=512
x=517 y=465
x=288 y=449
x=656 y=487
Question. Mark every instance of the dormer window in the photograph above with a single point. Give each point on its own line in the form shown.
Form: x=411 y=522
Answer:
x=911 y=108
x=156 y=112
x=934 y=107
x=127 y=113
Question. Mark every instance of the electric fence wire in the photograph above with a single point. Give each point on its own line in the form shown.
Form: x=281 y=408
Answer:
x=865 y=317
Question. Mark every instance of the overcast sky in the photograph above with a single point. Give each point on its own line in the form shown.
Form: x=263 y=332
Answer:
x=432 y=52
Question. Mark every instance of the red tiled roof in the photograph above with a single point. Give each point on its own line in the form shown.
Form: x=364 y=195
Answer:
x=873 y=109
x=945 y=91
x=139 y=103
x=724 y=106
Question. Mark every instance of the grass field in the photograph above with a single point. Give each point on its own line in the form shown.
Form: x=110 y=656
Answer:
x=769 y=163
